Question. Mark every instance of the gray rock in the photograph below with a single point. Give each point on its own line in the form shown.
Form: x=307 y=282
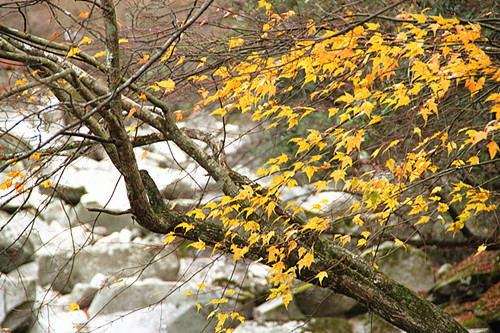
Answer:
x=275 y=310
x=17 y=295
x=371 y=323
x=83 y=294
x=330 y=325
x=321 y=302
x=81 y=215
x=16 y=247
x=409 y=266
x=70 y=195
x=66 y=268
x=58 y=318
x=142 y=297
x=255 y=326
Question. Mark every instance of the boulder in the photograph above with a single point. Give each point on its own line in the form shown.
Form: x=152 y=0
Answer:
x=16 y=245
x=53 y=314
x=407 y=265
x=469 y=279
x=64 y=269
x=275 y=310
x=322 y=302
x=17 y=296
x=255 y=326
x=371 y=323
x=152 y=299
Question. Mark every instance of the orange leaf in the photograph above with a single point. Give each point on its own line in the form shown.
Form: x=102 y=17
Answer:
x=492 y=148
x=178 y=115
x=35 y=156
x=131 y=112
x=54 y=36
x=144 y=154
x=46 y=184
x=83 y=15
x=144 y=59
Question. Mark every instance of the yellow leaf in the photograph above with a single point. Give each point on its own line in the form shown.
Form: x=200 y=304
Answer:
x=287 y=297
x=6 y=184
x=320 y=276
x=221 y=111
x=492 y=148
x=85 y=40
x=20 y=82
x=480 y=249
x=338 y=174
x=199 y=245
x=187 y=293
x=374 y=120
x=372 y=26
x=481 y=135
x=35 y=156
x=180 y=61
x=390 y=164
x=46 y=184
x=73 y=51
x=169 y=239
x=442 y=207
x=361 y=242
x=154 y=86
x=419 y=17
x=436 y=189
x=423 y=219
x=132 y=129
x=400 y=243
x=218 y=301
x=100 y=54
x=306 y=261
x=201 y=286
x=73 y=307
x=236 y=42
x=238 y=253
x=168 y=85
x=123 y=41
x=186 y=226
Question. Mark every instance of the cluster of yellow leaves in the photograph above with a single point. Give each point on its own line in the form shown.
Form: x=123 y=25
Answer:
x=436 y=55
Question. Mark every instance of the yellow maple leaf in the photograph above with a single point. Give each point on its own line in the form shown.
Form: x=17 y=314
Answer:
x=199 y=245
x=169 y=239
x=236 y=42
x=168 y=85
x=85 y=40
x=480 y=249
x=238 y=252
x=100 y=54
x=73 y=51
x=306 y=261
x=74 y=307
x=185 y=225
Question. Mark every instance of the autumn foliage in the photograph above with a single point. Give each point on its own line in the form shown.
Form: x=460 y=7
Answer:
x=406 y=116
